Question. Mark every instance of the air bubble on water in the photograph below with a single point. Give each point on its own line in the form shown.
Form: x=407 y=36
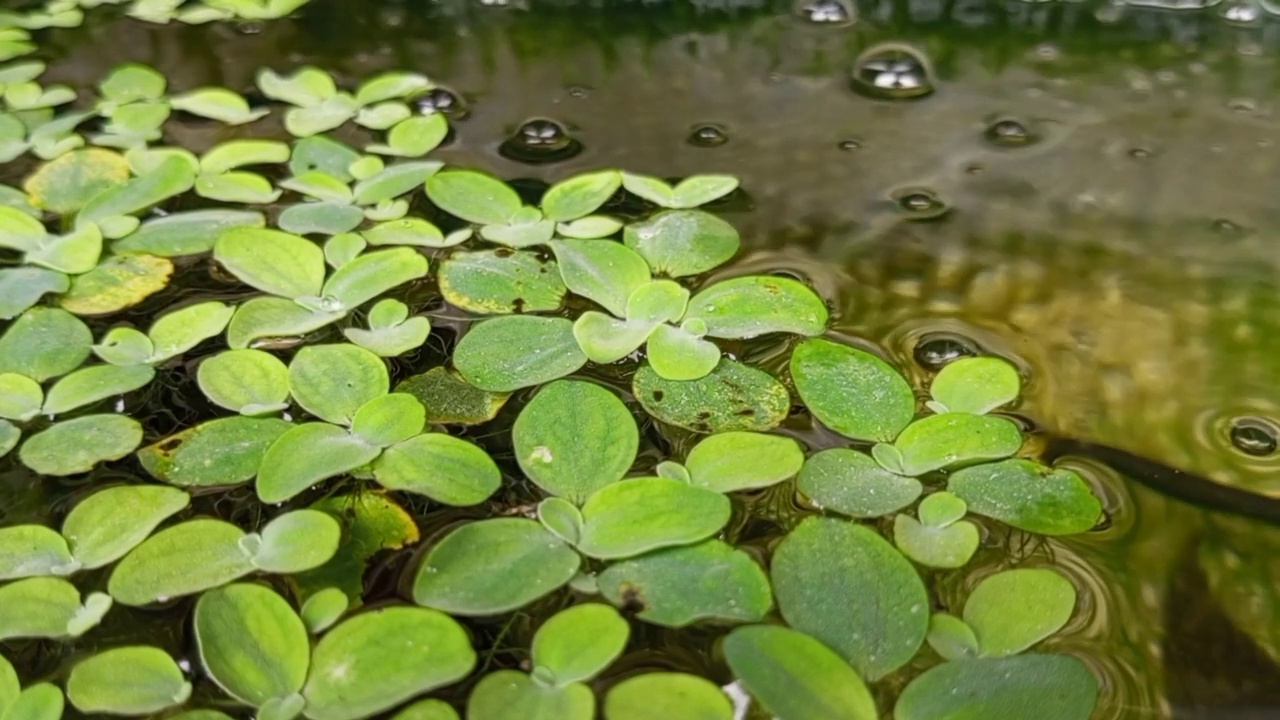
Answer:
x=892 y=71
x=934 y=351
x=826 y=12
x=1254 y=436
x=850 y=145
x=441 y=100
x=708 y=136
x=920 y=203
x=1009 y=132
x=1241 y=13
x=249 y=27
x=540 y=140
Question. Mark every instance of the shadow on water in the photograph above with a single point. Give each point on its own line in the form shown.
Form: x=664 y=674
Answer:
x=1087 y=190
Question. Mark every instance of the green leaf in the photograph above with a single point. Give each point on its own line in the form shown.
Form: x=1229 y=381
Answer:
x=307 y=454
x=679 y=243
x=176 y=332
x=251 y=643
x=272 y=261
x=976 y=385
x=853 y=484
x=217 y=104
x=494 y=354
x=630 y=517
x=42 y=607
x=132 y=82
x=493 y=566
x=9 y=687
x=342 y=248
x=677 y=354
x=23 y=286
x=414 y=136
x=370 y=275
x=20 y=397
x=747 y=307
x=951 y=637
x=667 y=696
x=74 y=446
x=940 y=441
x=451 y=400
x=306 y=87
x=171 y=177
x=319 y=185
x=683 y=585
x=473 y=196
x=733 y=397
x=520 y=235
x=852 y=391
x=371 y=523
x=698 y=190
x=143 y=159
x=562 y=518
x=320 y=153
x=267 y=317
x=31 y=550
x=605 y=340
x=323 y=609
x=180 y=560
x=112 y=521
x=1046 y=687
x=409 y=231
x=394 y=181
x=249 y=382
x=1015 y=609
x=389 y=419
x=333 y=382
x=201 y=714
x=186 y=233
x=382 y=116
x=500 y=694
x=20 y=231
x=125 y=346
x=235 y=154
x=590 y=227
x=68 y=183
x=446 y=469
x=74 y=253
x=648 y=188
x=580 y=195
x=134 y=680
x=392 y=341
x=322 y=218
x=795 y=677
x=295 y=542
x=378 y=659
x=38 y=702
x=846 y=586
x=9 y=436
x=391 y=85
x=575 y=438
x=657 y=301
x=500 y=282
x=44 y=343
x=949 y=545
x=578 y=643
x=732 y=461
x=89 y=385
x=601 y=270
x=430 y=709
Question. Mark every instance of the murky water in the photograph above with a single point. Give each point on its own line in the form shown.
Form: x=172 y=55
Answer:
x=1085 y=189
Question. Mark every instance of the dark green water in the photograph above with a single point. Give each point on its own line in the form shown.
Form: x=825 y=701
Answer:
x=1124 y=255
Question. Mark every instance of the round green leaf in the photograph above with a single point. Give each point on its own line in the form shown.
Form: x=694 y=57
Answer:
x=75 y=446
x=269 y=317
x=698 y=190
x=493 y=566
x=657 y=301
x=88 y=385
x=446 y=469
x=733 y=397
x=44 y=343
x=605 y=271
x=378 y=659
x=580 y=195
x=296 y=542
x=322 y=218
x=31 y=550
x=732 y=461
x=853 y=484
x=407 y=231
x=508 y=353
x=181 y=330
x=1028 y=496
x=495 y=282
x=562 y=518
x=225 y=451
x=676 y=354
x=1046 y=687
x=1015 y=609
x=68 y=183
x=118 y=282
x=394 y=181
x=10 y=434
x=940 y=547
x=181 y=560
x=413 y=136
x=333 y=382
x=605 y=339
x=125 y=346
x=430 y=709
x=940 y=441
x=667 y=696
x=846 y=586
x=508 y=693
x=682 y=242
x=272 y=261
x=747 y=307
x=683 y=585
x=186 y=233
x=132 y=82
x=38 y=702
x=307 y=454
x=852 y=391
x=43 y=607
x=578 y=643
x=574 y=438
x=20 y=397
x=250 y=382
x=951 y=637
x=473 y=196
x=323 y=609
x=252 y=643
x=133 y=680
x=451 y=400
x=23 y=286
x=630 y=517
x=387 y=420
x=795 y=677
x=976 y=385
x=370 y=275
x=113 y=521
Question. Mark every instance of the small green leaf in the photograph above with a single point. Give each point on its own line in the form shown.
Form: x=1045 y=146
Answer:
x=473 y=196
x=676 y=354
x=590 y=227
x=1015 y=609
x=578 y=643
x=20 y=231
x=575 y=438
x=667 y=696
x=89 y=385
x=333 y=382
x=747 y=307
x=1046 y=687
x=171 y=177
x=940 y=441
x=20 y=397
x=217 y=104
x=44 y=343
x=32 y=550
x=520 y=235
x=446 y=469
x=295 y=542
x=371 y=522
x=225 y=451
x=853 y=484
x=848 y=587
x=698 y=190
x=493 y=566
x=680 y=586
x=307 y=454
x=132 y=82
x=951 y=637
x=391 y=341
x=306 y=87
x=320 y=218
x=23 y=286
x=134 y=680
x=409 y=231
x=852 y=391
x=976 y=385
x=272 y=261
x=503 y=693
x=382 y=116
x=732 y=461
x=186 y=233
x=795 y=677
x=320 y=153
x=414 y=136
x=500 y=282
x=176 y=332
x=117 y=283
x=249 y=382
x=601 y=270
x=180 y=560
x=394 y=181
x=949 y=546
x=319 y=185
x=267 y=317
x=43 y=701
x=378 y=659
x=389 y=419
x=562 y=518
x=67 y=184
x=74 y=446
x=125 y=346
x=679 y=243
x=251 y=643
x=604 y=339
x=370 y=275
x=236 y=154
x=323 y=609
x=342 y=248
x=657 y=301
x=733 y=397
x=392 y=85
x=630 y=517
x=580 y=195
x=43 y=607
x=494 y=354
x=649 y=188
x=111 y=522
x=451 y=400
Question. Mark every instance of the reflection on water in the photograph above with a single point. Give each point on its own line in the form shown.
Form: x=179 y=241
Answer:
x=1086 y=189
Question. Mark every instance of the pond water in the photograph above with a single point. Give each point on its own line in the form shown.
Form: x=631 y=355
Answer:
x=1085 y=189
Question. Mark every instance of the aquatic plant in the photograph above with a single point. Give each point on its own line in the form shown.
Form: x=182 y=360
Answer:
x=604 y=270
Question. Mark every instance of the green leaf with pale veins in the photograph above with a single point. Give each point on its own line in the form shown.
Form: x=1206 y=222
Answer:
x=678 y=354
x=733 y=396
x=580 y=195
x=251 y=643
x=941 y=441
x=75 y=446
x=184 y=559
x=109 y=523
x=606 y=339
x=333 y=382
x=473 y=196
x=1015 y=609
x=249 y=382
x=446 y=469
x=500 y=282
x=732 y=461
x=508 y=353
x=44 y=343
x=370 y=275
x=852 y=391
x=634 y=516
x=176 y=332
x=605 y=271
x=89 y=385
x=133 y=680
x=44 y=607
x=295 y=542
x=389 y=419
x=578 y=643
x=852 y=483
x=679 y=243
x=307 y=454
x=747 y=307
x=269 y=317
x=795 y=677
x=272 y=261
